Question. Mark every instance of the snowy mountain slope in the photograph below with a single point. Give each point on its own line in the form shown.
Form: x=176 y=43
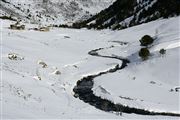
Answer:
x=25 y=96
x=146 y=84
x=126 y=13
x=52 y=11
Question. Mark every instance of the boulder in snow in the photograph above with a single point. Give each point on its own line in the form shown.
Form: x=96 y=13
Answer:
x=44 y=65
x=56 y=72
x=14 y=56
x=37 y=77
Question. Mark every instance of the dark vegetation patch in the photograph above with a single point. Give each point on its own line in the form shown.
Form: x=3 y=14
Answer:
x=146 y=40
x=142 y=12
x=7 y=18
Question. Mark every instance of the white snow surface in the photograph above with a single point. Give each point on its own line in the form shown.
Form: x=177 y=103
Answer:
x=148 y=83
x=52 y=11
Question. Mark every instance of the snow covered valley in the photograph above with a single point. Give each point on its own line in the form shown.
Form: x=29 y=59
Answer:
x=39 y=83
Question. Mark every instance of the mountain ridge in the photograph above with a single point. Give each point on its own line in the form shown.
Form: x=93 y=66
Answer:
x=122 y=13
x=52 y=11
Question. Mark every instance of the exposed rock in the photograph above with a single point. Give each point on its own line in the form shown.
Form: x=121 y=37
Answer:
x=44 y=65
x=17 y=26
x=37 y=77
x=14 y=56
x=56 y=72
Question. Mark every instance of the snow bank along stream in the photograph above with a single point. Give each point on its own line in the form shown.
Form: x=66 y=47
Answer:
x=83 y=91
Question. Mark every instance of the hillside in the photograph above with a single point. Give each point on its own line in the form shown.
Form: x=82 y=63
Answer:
x=121 y=63
x=127 y=13
x=52 y=11
x=41 y=72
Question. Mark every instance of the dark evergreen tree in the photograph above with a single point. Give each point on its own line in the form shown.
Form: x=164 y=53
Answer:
x=146 y=40
x=144 y=53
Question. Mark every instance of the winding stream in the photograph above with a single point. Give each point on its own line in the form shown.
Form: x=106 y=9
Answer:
x=83 y=91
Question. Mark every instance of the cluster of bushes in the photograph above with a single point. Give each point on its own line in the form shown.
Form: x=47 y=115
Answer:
x=76 y=25
x=7 y=18
x=17 y=26
x=145 y=41
x=144 y=52
x=62 y=26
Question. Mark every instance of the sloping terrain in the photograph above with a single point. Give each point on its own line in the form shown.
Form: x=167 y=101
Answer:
x=126 y=13
x=39 y=71
x=52 y=11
